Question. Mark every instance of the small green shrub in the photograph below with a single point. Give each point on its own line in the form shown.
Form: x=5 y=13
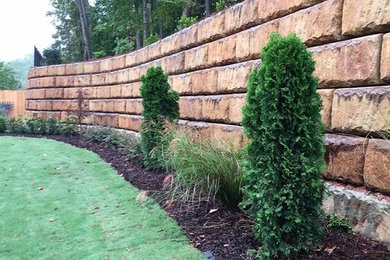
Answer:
x=284 y=157
x=3 y=124
x=53 y=127
x=152 y=39
x=335 y=221
x=69 y=126
x=125 y=142
x=35 y=126
x=186 y=21
x=16 y=125
x=159 y=106
x=206 y=167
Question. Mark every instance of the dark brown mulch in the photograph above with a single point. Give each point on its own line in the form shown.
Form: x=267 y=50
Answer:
x=219 y=231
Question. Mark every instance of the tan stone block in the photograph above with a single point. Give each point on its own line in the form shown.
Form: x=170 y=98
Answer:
x=173 y=64
x=118 y=62
x=219 y=132
x=215 y=108
x=365 y=16
x=154 y=51
x=130 y=59
x=41 y=71
x=259 y=37
x=95 y=105
x=241 y=16
x=112 y=78
x=236 y=102
x=91 y=67
x=103 y=92
x=74 y=68
x=141 y=55
x=116 y=91
x=344 y=157
x=70 y=93
x=137 y=90
x=105 y=65
x=33 y=83
x=70 y=105
x=35 y=94
x=377 y=165
x=65 y=81
x=348 y=63
x=361 y=110
x=47 y=82
x=123 y=121
x=134 y=74
x=54 y=93
x=191 y=107
x=181 y=83
x=234 y=78
x=222 y=51
x=82 y=80
x=135 y=122
x=88 y=119
x=89 y=92
x=167 y=45
x=134 y=106
x=45 y=105
x=123 y=76
x=31 y=73
x=204 y=81
x=243 y=45
x=196 y=58
x=327 y=100
x=98 y=79
x=385 y=58
x=119 y=105
x=268 y=10
x=55 y=115
x=315 y=25
x=56 y=70
x=211 y=28
x=31 y=104
x=188 y=36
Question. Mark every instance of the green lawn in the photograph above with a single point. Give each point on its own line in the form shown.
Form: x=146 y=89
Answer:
x=85 y=210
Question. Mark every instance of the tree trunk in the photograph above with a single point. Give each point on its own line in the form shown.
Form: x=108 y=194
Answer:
x=160 y=28
x=145 y=20
x=85 y=29
x=138 y=41
x=207 y=5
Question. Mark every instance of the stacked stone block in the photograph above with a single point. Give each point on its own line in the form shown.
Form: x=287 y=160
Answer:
x=209 y=64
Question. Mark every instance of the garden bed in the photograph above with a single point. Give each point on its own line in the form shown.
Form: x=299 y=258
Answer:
x=217 y=230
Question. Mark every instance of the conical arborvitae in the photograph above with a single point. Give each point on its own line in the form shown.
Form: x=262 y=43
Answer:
x=283 y=191
x=159 y=107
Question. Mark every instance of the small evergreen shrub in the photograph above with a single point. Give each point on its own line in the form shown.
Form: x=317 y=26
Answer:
x=35 y=126
x=3 y=125
x=53 y=127
x=205 y=167
x=69 y=126
x=159 y=106
x=16 y=125
x=335 y=221
x=284 y=158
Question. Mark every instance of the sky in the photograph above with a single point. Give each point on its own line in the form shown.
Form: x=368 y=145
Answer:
x=23 y=24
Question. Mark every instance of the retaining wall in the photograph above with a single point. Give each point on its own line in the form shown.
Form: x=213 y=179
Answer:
x=209 y=64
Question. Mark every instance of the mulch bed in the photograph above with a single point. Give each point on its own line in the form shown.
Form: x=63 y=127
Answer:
x=220 y=232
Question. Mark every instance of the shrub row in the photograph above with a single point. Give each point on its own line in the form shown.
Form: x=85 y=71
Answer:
x=51 y=126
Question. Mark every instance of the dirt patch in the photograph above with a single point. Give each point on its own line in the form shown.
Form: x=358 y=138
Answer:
x=217 y=230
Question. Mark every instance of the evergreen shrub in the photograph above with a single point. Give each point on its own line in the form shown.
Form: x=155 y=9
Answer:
x=159 y=106
x=283 y=190
x=3 y=126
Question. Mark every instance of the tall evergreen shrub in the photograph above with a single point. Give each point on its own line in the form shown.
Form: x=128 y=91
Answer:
x=281 y=118
x=159 y=106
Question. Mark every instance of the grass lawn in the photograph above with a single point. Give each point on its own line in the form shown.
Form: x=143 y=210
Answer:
x=61 y=202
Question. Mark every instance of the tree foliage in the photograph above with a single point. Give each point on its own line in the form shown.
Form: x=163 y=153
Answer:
x=159 y=107
x=117 y=25
x=7 y=78
x=281 y=118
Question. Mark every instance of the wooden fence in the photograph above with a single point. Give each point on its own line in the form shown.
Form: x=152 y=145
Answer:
x=17 y=99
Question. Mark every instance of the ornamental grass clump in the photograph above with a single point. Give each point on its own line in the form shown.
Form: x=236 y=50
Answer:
x=159 y=107
x=284 y=157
